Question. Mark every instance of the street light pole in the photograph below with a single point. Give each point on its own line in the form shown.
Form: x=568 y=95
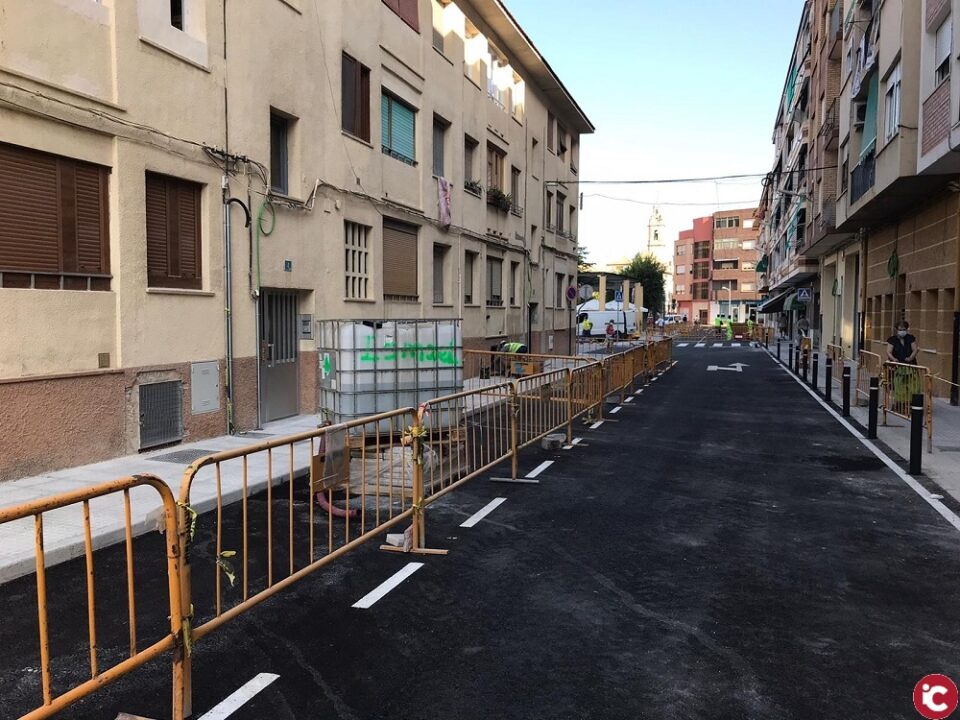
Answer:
x=729 y=290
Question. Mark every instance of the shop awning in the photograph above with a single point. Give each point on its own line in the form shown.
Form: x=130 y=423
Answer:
x=775 y=304
x=791 y=303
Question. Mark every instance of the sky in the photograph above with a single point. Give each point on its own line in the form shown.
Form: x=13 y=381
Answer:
x=675 y=90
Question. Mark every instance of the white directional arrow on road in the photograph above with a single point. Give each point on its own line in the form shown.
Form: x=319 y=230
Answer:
x=735 y=367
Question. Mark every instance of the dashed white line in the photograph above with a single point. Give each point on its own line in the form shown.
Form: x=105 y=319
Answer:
x=539 y=468
x=683 y=345
x=629 y=399
x=386 y=586
x=718 y=344
x=596 y=425
x=638 y=391
x=239 y=698
x=734 y=344
x=700 y=345
x=483 y=512
x=616 y=410
x=573 y=443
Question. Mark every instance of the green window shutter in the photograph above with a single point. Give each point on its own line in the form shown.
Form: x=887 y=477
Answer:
x=402 y=127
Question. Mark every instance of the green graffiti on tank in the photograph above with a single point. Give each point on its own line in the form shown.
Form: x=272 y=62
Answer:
x=427 y=353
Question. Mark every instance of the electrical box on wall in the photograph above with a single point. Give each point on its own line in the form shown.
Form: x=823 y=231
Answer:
x=306 y=327
x=204 y=387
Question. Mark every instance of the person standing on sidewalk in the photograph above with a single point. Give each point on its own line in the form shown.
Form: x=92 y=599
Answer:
x=586 y=328
x=902 y=348
x=611 y=333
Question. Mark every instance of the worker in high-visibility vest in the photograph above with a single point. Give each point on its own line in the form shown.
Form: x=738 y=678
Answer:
x=513 y=347
x=586 y=329
x=729 y=329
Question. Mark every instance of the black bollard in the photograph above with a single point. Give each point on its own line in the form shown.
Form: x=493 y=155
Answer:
x=916 y=433
x=846 y=391
x=806 y=366
x=828 y=388
x=816 y=371
x=874 y=408
x=766 y=340
x=778 y=350
x=796 y=362
x=790 y=357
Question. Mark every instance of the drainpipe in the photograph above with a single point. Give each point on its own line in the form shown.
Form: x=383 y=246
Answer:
x=228 y=292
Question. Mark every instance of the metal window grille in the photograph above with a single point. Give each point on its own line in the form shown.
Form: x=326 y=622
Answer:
x=161 y=413
x=357 y=256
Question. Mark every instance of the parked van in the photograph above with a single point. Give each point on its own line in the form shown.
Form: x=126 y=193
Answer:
x=624 y=318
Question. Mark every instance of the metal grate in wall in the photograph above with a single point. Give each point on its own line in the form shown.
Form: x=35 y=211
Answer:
x=161 y=413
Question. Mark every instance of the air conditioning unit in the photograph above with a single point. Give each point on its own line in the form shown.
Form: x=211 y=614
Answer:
x=859 y=114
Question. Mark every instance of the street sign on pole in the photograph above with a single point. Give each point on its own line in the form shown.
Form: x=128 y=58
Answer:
x=618 y=296
x=571 y=293
x=804 y=295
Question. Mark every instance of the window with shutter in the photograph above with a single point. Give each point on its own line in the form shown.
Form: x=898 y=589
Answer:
x=355 y=97
x=279 y=149
x=439 y=262
x=400 y=255
x=398 y=129
x=494 y=282
x=439 y=138
x=53 y=221
x=173 y=232
x=469 y=266
x=408 y=10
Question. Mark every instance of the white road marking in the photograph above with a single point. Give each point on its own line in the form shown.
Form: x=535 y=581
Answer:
x=539 y=468
x=596 y=425
x=629 y=399
x=239 y=698
x=655 y=378
x=386 y=586
x=700 y=345
x=573 y=443
x=616 y=410
x=638 y=391
x=919 y=489
x=718 y=344
x=734 y=344
x=483 y=512
x=683 y=345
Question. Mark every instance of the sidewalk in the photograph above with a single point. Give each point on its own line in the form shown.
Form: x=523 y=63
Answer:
x=63 y=529
x=942 y=465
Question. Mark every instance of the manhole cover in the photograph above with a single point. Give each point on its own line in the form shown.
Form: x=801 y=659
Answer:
x=183 y=457
x=948 y=448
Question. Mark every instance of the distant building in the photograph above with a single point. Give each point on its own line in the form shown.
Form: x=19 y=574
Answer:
x=662 y=249
x=715 y=267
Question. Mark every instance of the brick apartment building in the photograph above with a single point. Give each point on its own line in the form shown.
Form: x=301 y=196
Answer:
x=715 y=267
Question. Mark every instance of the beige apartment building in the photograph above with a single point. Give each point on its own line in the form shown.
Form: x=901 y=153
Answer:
x=191 y=188
x=890 y=250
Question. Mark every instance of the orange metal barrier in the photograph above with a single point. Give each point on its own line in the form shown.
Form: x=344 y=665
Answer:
x=173 y=640
x=868 y=365
x=381 y=470
x=901 y=382
x=366 y=464
x=497 y=366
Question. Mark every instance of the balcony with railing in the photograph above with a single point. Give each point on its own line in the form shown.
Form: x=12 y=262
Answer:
x=863 y=176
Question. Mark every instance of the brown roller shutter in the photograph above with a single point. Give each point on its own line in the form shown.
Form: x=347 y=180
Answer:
x=400 y=254
x=29 y=211
x=53 y=215
x=173 y=232
x=92 y=219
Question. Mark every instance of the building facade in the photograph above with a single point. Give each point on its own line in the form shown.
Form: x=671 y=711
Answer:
x=181 y=206
x=715 y=265
x=891 y=250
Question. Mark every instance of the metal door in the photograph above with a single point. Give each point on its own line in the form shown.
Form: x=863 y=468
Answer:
x=279 y=367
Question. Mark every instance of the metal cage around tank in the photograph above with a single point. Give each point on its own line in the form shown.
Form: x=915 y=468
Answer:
x=373 y=366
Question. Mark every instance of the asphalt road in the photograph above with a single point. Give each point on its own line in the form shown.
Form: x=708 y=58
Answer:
x=721 y=548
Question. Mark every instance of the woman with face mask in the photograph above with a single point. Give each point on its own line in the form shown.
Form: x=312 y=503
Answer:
x=902 y=347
